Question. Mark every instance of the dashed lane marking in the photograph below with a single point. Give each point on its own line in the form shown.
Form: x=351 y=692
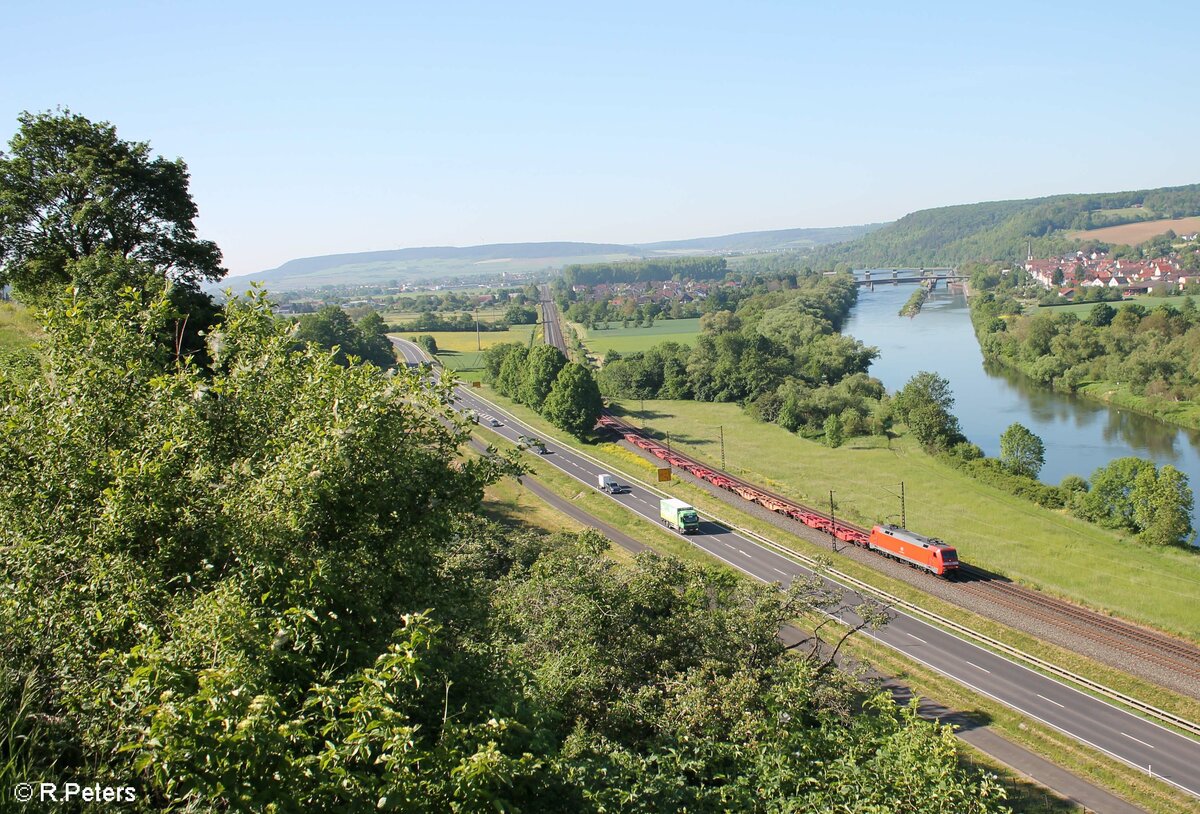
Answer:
x=1051 y=700
x=1132 y=738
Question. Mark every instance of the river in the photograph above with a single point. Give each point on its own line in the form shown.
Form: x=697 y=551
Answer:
x=1079 y=435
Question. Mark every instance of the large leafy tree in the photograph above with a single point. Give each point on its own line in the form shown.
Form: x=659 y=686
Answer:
x=924 y=404
x=331 y=328
x=540 y=370
x=1022 y=451
x=1110 y=500
x=69 y=188
x=212 y=575
x=574 y=401
x=1162 y=506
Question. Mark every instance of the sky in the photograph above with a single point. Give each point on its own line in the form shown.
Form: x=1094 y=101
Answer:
x=321 y=128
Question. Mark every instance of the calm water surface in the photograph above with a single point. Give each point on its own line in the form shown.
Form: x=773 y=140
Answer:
x=1080 y=435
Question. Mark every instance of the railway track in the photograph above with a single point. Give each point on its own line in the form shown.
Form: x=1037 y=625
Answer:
x=1172 y=654
x=1157 y=648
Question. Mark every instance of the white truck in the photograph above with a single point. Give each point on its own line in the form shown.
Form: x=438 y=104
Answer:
x=611 y=485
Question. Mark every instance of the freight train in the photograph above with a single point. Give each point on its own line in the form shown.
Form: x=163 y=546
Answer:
x=926 y=553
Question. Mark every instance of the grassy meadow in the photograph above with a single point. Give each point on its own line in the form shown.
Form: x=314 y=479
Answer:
x=1082 y=309
x=485 y=315
x=991 y=528
x=458 y=351
x=17 y=328
x=629 y=340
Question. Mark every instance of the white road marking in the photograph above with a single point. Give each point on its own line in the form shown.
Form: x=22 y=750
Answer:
x=777 y=571
x=1132 y=738
x=977 y=667
x=1051 y=700
x=919 y=639
x=743 y=553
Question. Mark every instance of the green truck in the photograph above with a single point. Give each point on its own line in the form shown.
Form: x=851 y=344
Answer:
x=678 y=515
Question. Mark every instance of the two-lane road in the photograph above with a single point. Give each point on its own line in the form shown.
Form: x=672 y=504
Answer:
x=1120 y=734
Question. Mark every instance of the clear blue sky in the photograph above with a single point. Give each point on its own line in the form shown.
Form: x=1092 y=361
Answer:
x=322 y=128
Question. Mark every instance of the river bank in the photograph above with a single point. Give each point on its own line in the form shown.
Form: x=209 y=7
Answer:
x=1070 y=367
x=1080 y=434
x=1185 y=414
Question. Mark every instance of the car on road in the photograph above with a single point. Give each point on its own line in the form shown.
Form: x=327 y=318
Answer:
x=493 y=422
x=611 y=485
x=530 y=443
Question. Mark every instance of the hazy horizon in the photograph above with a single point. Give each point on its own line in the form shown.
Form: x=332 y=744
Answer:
x=310 y=131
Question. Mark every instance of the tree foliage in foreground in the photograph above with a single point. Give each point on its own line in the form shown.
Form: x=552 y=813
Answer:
x=70 y=188
x=265 y=586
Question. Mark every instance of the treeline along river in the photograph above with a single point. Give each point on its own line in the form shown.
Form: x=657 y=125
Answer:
x=1080 y=435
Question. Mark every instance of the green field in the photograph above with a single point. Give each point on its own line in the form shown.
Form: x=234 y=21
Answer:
x=629 y=340
x=991 y=529
x=458 y=350
x=1148 y=302
x=17 y=328
x=485 y=315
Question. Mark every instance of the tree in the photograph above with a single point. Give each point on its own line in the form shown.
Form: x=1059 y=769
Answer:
x=1021 y=451
x=517 y=314
x=428 y=344
x=271 y=572
x=541 y=369
x=1110 y=500
x=331 y=328
x=834 y=435
x=574 y=401
x=924 y=405
x=373 y=343
x=1101 y=315
x=69 y=187
x=494 y=357
x=512 y=372
x=1162 y=506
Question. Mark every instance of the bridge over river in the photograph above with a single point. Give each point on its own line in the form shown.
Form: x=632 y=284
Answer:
x=927 y=276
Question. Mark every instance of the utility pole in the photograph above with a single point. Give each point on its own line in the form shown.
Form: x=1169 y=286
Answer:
x=903 y=519
x=477 y=347
x=722 y=430
x=832 y=524
x=642 y=414
x=668 y=442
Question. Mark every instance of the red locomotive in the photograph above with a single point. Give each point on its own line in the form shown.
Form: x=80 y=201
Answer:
x=915 y=549
x=892 y=541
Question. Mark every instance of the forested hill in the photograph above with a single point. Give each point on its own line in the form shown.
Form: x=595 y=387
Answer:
x=1002 y=230
x=447 y=262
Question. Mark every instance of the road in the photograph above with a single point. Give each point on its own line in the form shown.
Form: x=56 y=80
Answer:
x=1166 y=754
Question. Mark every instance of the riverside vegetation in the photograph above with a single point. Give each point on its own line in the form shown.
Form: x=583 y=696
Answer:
x=1140 y=358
